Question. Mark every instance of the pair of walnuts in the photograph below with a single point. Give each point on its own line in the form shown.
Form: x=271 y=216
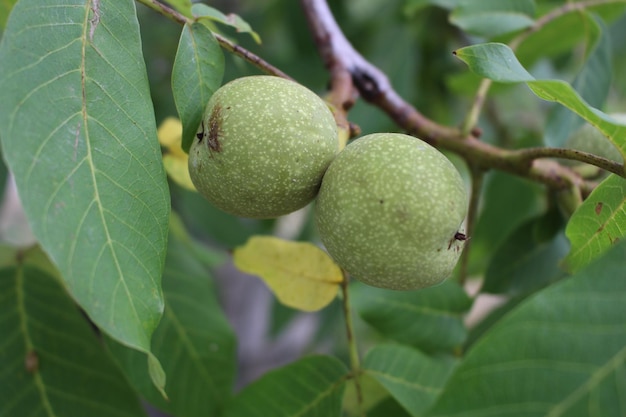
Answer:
x=389 y=207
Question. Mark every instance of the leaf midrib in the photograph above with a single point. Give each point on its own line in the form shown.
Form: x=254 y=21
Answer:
x=92 y=168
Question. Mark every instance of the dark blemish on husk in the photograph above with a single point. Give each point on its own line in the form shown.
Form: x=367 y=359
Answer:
x=215 y=129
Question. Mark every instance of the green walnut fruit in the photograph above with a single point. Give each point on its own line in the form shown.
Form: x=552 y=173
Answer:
x=262 y=147
x=390 y=212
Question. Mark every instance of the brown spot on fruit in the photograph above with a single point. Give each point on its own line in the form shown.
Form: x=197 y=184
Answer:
x=215 y=129
x=598 y=209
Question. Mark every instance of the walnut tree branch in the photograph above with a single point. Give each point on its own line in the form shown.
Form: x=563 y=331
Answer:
x=374 y=87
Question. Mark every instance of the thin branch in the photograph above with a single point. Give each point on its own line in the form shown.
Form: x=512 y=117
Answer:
x=374 y=87
x=477 y=176
x=248 y=56
x=471 y=120
x=166 y=11
x=224 y=42
x=529 y=154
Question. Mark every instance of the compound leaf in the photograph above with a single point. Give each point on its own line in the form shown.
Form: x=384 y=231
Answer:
x=561 y=352
x=193 y=340
x=312 y=386
x=416 y=317
x=412 y=378
x=78 y=132
x=52 y=362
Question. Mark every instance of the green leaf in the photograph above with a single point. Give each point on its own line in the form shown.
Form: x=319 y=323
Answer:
x=507 y=202
x=415 y=317
x=52 y=362
x=528 y=260
x=560 y=353
x=412 y=378
x=497 y=61
x=312 y=386
x=197 y=73
x=193 y=340
x=491 y=18
x=598 y=223
x=79 y=134
x=202 y=11
x=592 y=83
x=211 y=223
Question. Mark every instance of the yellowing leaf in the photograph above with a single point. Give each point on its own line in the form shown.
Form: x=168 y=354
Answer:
x=177 y=169
x=300 y=274
x=170 y=135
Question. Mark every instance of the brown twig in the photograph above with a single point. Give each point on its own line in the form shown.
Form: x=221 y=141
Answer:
x=342 y=91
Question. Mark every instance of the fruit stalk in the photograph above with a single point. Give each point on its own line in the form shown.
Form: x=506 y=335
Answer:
x=353 y=351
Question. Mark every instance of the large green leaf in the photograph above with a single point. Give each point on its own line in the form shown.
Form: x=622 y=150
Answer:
x=207 y=221
x=194 y=341
x=560 y=353
x=197 y=73
x=415 y=317
x=79 y=134
x=312 y=386
x=598 y=223
x=412 y=378
x=491 y=18
x=52 y=363
x=497 y=62
x=592 y=83
x=507 y=202
x=529 y=258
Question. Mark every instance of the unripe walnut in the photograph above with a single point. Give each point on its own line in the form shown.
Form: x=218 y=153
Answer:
x=390 y=212
x=262 y=147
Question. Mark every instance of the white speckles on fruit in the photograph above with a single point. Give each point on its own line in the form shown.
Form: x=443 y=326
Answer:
x=389 y=211
x=262 y=147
